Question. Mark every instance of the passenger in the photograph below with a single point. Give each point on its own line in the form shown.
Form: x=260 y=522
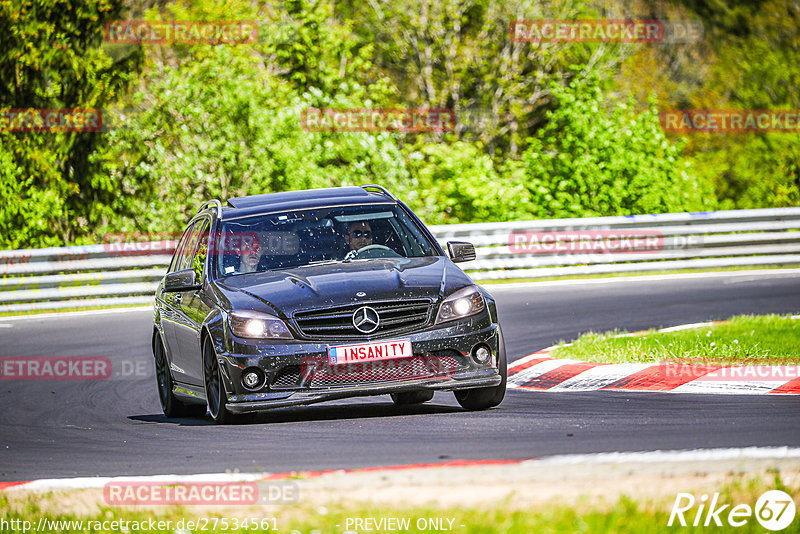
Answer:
x=250 y=254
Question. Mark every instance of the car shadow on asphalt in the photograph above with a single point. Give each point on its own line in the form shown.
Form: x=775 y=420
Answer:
x=310 y=413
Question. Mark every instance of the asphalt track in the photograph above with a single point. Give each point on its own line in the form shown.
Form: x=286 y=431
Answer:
x=52 y=429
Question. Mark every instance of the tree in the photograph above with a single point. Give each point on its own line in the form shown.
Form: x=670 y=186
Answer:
x=595 y=157
x=51 y=58
x=212 y=121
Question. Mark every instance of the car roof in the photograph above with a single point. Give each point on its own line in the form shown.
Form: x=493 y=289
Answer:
x=306 y=199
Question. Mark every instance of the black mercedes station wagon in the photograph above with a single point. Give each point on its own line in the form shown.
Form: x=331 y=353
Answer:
x=299 y=297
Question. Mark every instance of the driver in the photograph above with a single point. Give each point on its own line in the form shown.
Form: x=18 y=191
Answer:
x=359 y=235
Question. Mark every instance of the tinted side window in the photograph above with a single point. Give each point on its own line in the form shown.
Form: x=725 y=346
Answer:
x=199 y=260
x=174 y=265
x=196 y=248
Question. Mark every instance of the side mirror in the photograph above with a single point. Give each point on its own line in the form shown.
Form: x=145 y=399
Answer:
x=183 y=280
x=461 y=251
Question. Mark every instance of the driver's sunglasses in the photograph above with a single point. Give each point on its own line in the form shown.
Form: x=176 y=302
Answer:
x=361 y=233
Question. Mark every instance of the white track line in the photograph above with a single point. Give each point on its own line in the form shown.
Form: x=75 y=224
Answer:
x=145 y=307
x=500 y=286
x=736 y=387
x=748 y=453
x=686 y=327
x=99 y=482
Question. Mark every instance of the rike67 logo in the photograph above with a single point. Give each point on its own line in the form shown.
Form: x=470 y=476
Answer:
x=774 y=510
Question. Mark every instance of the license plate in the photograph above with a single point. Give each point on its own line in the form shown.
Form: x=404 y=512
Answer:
x=370 y=352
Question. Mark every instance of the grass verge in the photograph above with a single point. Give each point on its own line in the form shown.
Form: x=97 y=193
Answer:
x=744 y=340
x=625 y=514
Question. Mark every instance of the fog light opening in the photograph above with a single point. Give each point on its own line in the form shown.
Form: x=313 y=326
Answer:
x=253 y=378
x=482 y=354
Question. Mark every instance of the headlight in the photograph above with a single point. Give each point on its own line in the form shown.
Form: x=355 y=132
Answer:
x=257 y=325
x=463 y=303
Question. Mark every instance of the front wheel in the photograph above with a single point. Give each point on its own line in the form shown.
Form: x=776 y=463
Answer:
x=170 y=405
x=485 y=398
x=215 y=389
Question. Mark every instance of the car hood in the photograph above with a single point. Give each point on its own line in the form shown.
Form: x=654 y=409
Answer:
x=287 y=291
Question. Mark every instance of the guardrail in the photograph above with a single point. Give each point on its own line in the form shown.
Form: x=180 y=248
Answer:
x=125 y=274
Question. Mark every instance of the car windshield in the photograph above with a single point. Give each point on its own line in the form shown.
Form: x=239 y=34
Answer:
x=308 y=237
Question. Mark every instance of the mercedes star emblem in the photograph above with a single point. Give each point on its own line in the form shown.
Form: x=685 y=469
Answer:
x=366 y=320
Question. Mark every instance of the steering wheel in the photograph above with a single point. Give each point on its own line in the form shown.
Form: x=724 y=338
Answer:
x=374 y=251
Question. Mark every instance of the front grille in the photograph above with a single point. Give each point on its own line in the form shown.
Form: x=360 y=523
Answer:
x=396 y=317
x=417 y=367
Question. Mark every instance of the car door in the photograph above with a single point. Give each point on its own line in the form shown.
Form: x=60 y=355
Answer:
x=169 y=307
x=191 y=308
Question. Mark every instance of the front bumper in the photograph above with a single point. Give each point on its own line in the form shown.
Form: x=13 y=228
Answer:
x=298 y=373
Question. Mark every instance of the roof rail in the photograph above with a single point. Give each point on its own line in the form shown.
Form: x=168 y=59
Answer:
x=216 y=204
x=380 y=189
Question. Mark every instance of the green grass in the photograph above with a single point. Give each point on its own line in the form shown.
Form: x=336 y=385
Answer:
x=621 y=516
x=746 y=340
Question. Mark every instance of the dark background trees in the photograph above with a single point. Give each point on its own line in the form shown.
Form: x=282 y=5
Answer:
x=544 y=129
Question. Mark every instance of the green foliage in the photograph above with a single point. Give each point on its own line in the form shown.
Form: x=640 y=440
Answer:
x=457 y=183
x=536 y=136
x=748 y=61
x=24 y=208
x=760 y=169
x=50 y=57
x=744 y=340
x=229 y=125
x=457 y=54
x=592 y=161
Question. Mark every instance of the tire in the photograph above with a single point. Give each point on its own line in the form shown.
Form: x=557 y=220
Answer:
x=215 y=390
x=412 y=397
x=170 y=404
x=485 y=398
